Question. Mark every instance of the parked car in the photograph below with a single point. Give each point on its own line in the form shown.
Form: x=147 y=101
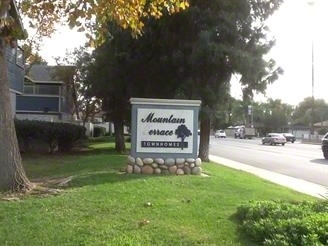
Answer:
x=220 y=134
x=289 y=137
x=274 y=139
x=324 y=145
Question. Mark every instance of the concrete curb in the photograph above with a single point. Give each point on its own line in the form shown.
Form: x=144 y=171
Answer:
x=299 y=185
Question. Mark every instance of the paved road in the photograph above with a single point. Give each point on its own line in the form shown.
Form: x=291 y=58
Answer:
x=301 y=161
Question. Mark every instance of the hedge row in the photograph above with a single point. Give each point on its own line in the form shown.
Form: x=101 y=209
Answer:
x=284 y=223
x=61 y=136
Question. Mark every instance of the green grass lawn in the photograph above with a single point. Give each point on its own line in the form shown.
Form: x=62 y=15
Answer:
x=102 y=205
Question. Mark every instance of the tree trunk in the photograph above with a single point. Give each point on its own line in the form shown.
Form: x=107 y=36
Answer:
x=205 y=125
x=119 y=135
x=12 y=174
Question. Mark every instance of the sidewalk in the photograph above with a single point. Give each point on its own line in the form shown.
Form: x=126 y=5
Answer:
x=284 y=180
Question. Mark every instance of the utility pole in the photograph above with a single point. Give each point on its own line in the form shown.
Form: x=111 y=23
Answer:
x=311 y=4
x=312 y=109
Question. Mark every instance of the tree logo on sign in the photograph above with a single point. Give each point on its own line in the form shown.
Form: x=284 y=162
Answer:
x=182 y=132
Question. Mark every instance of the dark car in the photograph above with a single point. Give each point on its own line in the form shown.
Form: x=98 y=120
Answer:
x=289 y=137
x=324 y=145
x=274 y=139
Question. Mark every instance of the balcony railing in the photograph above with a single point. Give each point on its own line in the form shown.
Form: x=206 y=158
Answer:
x=42 y=89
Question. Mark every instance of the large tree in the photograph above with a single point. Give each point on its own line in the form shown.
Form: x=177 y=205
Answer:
x=108 y=78
x=221 y=38
x=192 y=55
x=91 y=15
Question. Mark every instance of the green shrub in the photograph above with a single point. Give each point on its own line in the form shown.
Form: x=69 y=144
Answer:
x=26 y=131
x=48 y=132
x=285 y=223
x=55 y=134
x=68 y=134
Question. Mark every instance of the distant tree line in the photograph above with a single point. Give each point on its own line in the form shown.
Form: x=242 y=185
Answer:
x=273 y=115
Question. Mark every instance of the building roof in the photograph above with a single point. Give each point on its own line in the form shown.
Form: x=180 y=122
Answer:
x=44 y=74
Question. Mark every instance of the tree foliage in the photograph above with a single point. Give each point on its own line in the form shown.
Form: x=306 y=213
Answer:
x=276 y=115
x=85 y=104
x=93 y=16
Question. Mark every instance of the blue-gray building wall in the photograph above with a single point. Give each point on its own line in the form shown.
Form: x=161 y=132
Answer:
x=15 y=71
x=37 y=103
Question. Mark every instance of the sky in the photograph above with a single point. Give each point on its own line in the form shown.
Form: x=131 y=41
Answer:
x=295 y=26
x=64 y=40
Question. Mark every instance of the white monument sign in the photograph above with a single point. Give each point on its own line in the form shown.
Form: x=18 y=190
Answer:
x=165 y=130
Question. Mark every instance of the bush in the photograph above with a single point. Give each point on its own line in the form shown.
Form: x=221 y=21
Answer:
x=69 y=134
x=55 y=134
x=26 y=131
x=283 y=223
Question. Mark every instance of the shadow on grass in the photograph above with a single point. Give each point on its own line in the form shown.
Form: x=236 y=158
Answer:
x=77 y=152
x=52 y=157
x=100 y=166
x=95 y=151
x=95 y=179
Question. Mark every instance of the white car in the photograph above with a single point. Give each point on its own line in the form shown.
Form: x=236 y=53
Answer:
x=220 y=134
